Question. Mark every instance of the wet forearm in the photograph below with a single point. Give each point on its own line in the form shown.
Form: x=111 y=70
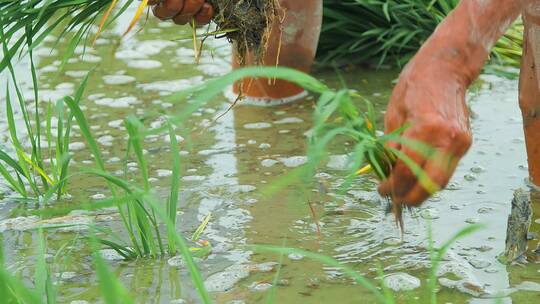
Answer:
x=462 y=42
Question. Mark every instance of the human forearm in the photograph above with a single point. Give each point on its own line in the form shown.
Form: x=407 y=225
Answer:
x=430 y=96
x=529 y=88
x=462 y=42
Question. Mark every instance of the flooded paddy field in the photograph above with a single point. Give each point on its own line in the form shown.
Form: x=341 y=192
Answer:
x=228 y=163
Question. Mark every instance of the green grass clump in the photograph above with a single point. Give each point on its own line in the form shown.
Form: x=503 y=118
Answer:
x=142 y=214
x=28 y=168
x=391 y=31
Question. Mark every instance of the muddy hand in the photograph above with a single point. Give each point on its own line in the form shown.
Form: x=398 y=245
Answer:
x=183 y=11
x=430 y=96
x=432 y=101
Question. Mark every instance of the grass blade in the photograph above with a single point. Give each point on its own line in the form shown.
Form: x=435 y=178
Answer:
x=172 y=202
x=137 y=16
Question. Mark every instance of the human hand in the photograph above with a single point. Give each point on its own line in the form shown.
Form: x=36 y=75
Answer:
x=183 y=11
x=431 y=99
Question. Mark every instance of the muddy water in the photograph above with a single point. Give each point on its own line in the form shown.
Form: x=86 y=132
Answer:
x=227 y=164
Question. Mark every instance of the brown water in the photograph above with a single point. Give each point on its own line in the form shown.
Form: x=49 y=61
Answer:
x=226 y=165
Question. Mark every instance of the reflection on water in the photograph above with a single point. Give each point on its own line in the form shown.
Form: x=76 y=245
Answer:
x=226 y=165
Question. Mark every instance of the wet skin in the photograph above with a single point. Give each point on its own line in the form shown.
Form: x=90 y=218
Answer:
x=529 y=97
x=430 y=94
x=183 y=11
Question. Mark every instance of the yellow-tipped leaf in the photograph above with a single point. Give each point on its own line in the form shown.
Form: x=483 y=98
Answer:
x=364 y=170
x=104 y=20
x=137 y=16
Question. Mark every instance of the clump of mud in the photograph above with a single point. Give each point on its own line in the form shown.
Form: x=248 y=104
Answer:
x=250 y=20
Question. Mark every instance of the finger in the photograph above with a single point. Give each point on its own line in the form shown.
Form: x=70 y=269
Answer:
x=393 y=145
x=168 y=9
x=438 y=165
x=205 y=15
x=191 y=8
x=402 y=179
x=393 y=120
x=437 y=173
x=153 y=2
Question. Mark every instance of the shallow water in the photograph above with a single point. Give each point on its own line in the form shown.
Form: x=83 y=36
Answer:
x=227 y=164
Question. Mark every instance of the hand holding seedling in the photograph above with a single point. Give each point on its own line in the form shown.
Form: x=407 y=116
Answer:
x=438 y=117
x=430 y=96
x=183 y=11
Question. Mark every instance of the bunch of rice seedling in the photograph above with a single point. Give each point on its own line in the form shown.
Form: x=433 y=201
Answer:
x=26 y=23
x=337 y=117
x=391 y=31
x=249 y=21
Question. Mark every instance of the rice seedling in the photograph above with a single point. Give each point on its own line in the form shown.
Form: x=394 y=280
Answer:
x=141 y=214
x=172 y=200
x=436 y=254
x=27 y=168
x=43 y=280
x=139 y=222
x=390 y=32
x=271 y=295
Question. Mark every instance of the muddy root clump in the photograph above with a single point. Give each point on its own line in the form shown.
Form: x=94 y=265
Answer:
x=249 y=22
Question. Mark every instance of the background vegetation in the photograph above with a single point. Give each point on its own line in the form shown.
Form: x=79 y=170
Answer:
x=377 y=32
